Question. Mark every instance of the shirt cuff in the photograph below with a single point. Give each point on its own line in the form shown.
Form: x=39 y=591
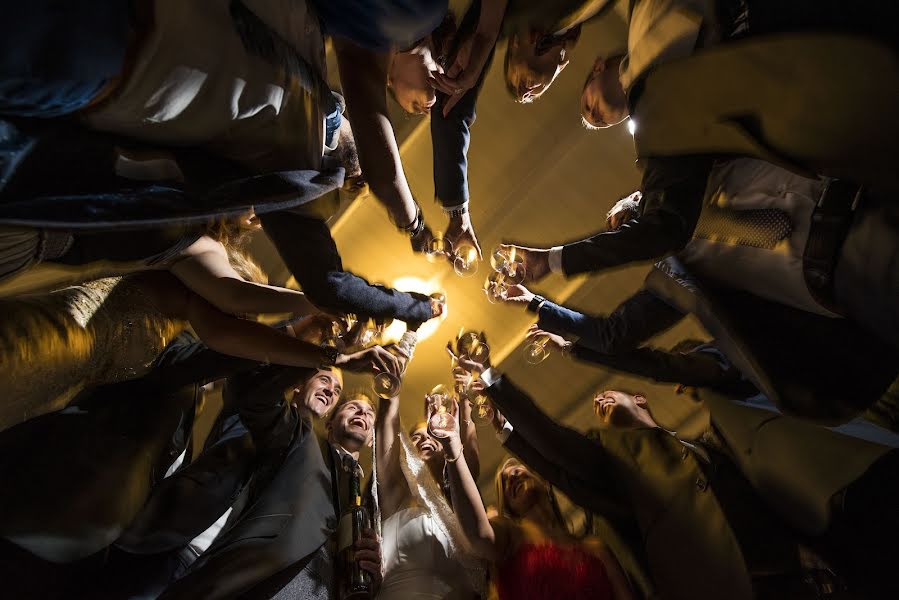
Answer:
x=503 y=435
x=555 y=259
x=490 y=376
x=462 y=206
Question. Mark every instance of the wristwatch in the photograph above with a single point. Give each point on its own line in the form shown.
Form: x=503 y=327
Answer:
x=535 y=303
x=458 y=211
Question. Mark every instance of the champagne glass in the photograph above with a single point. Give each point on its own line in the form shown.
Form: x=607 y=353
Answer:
x=536 y=352
x=481 y=409
x=373 y=331
x=496 y=287
x=437 y=248
x=465 y=262
x=440 y=403
x=386 y=384
x=472 y=344
x=509 y=263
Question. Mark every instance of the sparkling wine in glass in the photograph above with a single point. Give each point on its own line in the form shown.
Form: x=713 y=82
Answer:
x=438 y=248
x=496 y=287
x=466 y=261
x=440 y=401
x=509 y=263
x=386 y=384
x=472 y=344
x=536 y=352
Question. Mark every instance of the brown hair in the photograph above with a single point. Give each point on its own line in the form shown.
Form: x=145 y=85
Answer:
x=502 y=507
x=234 y=233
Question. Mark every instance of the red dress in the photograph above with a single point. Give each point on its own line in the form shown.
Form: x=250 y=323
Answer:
x=552 y=571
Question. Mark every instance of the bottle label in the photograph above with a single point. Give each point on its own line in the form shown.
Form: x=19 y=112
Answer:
x=345 y=532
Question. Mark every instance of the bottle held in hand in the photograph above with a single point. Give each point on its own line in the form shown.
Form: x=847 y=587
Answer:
x=387 y=385
x=355 y=583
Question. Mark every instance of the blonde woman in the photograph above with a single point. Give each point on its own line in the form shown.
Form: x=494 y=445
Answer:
x=533 y=554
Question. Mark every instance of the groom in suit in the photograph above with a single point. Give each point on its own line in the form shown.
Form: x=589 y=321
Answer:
x=726 y=495
x=254 y=515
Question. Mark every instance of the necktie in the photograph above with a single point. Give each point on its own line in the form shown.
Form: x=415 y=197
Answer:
x=759 y=228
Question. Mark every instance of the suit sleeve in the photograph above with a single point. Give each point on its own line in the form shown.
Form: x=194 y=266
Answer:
x=594 y=494
x=673 y=189
x=259 y=398
x=559 y=444
x=698 y=369
x=306 y=245
x=450 y=135
x=637 y=319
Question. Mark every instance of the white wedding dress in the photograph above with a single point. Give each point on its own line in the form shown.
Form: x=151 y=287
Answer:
x=425 y=555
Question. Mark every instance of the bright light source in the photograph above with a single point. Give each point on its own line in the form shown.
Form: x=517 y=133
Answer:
x=631 y=126
x=414 y=284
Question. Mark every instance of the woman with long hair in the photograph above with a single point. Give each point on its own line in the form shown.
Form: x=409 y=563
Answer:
x=425 y=552
x=55 y=345
x=533 y=554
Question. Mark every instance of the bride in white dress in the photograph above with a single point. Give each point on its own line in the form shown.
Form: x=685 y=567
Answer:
x=425 y=553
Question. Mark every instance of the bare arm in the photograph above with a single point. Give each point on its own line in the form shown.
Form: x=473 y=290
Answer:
x=392 y=489
x=488 y=541
x=469 y=436
x=205 y=269
x=231 y=335
x=363 y=76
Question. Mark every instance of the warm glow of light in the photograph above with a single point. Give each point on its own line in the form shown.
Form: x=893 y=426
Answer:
x=631 y=126
x=414 y=284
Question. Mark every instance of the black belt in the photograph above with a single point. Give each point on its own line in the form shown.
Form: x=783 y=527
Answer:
x=831 y=220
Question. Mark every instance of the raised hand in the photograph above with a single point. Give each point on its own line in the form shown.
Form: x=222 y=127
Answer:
x=623 y=211
x=448 y=429
x=460 y=231
x=553 y=339
x=368 y=554
x=466 y=362
x=536 y=261
x=371 y=360
x=518 y=294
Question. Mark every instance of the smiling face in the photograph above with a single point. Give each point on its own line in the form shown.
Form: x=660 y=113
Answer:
x=428 y=448
x=320 y=392
x=521 y=490
x=352 y=424
x=617 y=410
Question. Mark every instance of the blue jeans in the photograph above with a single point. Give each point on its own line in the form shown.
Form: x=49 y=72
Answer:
x=56 y=56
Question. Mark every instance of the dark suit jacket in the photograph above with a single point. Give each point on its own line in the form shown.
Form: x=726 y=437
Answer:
x=451 y=135
x=800 y=360
x=103 y=454
x=642 y=476
x=292 y=508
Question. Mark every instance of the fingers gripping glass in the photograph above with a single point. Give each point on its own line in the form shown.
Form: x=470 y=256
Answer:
x=536 y=351
x=440 y=407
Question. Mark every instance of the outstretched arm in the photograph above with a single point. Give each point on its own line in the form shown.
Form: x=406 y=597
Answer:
x=634 y=321
x=698 y=369
x=306 y=245
x=673 y=189
x=488 y=541
x=392 y=489
x=206 y=271
x=363 y=77
x=238 y=337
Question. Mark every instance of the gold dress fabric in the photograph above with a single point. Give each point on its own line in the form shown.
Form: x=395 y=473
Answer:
x=53 y=346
